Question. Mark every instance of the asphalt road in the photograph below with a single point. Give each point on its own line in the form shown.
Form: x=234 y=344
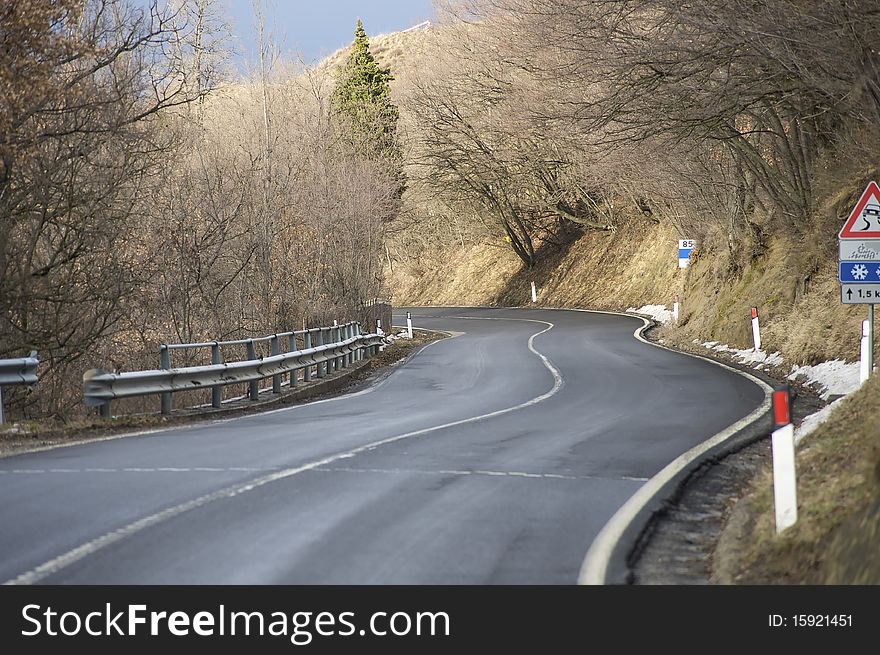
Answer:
x=494 y=456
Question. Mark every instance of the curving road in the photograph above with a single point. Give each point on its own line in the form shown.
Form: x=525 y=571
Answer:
x=495 y=456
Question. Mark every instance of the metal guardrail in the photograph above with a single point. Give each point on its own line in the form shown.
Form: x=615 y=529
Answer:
x=17 y=371
x=324 y=350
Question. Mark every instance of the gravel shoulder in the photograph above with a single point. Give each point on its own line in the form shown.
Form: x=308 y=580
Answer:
x=702 y=531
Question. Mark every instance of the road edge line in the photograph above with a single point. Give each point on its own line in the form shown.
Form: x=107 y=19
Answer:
x=594 y=569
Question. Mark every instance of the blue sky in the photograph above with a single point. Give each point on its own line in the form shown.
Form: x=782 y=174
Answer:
x=317 y=28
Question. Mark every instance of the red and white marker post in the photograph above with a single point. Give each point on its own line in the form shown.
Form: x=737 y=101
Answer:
x=756 y=329
x=784 y=475
x=676 y=303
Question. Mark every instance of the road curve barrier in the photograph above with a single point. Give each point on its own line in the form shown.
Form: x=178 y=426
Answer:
x=334 y=348
x=22 y=370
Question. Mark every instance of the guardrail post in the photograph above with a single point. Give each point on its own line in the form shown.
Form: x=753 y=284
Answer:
x=2 y=419
x=276 y=379
x=337 y=337
x=307 y=343
x=319 y=341
x=105 y=409
x=165 y=363
x=328 y=367
x=358 y=353
x=291 y=347
x=346 y=358
x=216 y=392
x=254 y=385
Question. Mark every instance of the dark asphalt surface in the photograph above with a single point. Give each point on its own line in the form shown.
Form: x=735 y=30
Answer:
x=516 y=497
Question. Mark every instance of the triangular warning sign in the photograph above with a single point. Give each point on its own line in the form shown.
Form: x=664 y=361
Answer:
x=864 y=220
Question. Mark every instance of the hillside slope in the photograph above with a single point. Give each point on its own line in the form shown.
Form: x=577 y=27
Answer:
x=438 y=254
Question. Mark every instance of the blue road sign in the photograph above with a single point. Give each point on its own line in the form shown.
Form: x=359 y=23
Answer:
x=861 y=272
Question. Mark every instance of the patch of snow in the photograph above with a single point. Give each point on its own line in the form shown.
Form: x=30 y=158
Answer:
x=395 y=337
x=658 y=312
x=836 y=377
x=756 y=359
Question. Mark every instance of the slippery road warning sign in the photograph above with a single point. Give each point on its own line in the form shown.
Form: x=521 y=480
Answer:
x=864 y=219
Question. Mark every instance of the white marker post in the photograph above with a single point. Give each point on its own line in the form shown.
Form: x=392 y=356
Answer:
x=379 y=327
x=784 y=474
x=534 y=292
x=409 y=325
x=675 y=304
x=756 y=329
x=870 y=340
x=865 y=352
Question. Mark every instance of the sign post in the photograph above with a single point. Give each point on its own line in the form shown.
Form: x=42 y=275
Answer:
x=869 y=337
x=859 y=263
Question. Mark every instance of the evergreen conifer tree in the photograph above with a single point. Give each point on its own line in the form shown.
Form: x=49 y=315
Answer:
x=362 y=100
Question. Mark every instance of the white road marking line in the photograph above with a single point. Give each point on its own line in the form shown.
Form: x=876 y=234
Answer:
x=399 y=471
x=166 y=469
x=76 y=554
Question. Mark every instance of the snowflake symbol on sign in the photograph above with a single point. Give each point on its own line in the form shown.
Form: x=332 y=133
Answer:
x=859 y=271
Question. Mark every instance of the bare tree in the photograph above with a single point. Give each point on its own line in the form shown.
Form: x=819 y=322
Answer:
x=84 y=83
